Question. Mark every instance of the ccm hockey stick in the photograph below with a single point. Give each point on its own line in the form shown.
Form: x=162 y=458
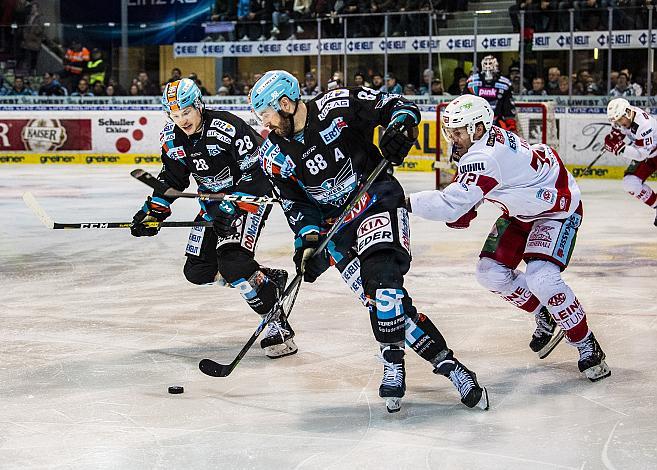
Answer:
x=168 y=191
x=215 y=369
x=46 y=220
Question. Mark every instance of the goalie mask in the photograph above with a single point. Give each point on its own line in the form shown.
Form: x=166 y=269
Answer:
x=489 y=67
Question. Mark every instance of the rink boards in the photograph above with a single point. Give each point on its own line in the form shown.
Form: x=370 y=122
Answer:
x=67 y=135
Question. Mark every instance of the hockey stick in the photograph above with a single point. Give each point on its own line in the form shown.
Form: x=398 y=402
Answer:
x=46 y=220
x=168 y=191
x=586 y=170
x=215 y=369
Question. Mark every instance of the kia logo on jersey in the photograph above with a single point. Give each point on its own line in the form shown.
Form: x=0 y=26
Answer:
x=375 y=222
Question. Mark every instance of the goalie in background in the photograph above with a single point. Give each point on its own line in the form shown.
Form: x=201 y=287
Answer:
x=220 y=151
x=641 y=130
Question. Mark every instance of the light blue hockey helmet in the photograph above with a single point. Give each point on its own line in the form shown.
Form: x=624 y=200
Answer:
x=180 y=94
x=271 y=87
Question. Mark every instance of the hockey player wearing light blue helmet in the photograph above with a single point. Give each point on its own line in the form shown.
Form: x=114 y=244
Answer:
x=275 y=100
x=183 y=104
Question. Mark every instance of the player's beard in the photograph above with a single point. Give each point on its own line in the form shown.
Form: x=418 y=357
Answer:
x=284 y=128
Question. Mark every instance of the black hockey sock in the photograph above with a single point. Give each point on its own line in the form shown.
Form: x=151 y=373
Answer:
x=423 y=337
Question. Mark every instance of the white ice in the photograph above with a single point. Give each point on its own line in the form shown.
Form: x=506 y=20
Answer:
x=95 y=325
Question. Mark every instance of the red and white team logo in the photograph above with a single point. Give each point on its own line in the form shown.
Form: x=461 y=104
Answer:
x=557 y=299
x=542 y=233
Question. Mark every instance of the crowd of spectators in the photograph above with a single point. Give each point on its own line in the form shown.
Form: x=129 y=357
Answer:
x=588 y=15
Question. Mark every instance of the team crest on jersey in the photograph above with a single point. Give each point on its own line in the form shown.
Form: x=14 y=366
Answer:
x=248 y=161
x=215 y=183
x=333 y=131
x=546 y=195
x=386 y=99
x=223 y=126
x=335 y=190
x=214 y=150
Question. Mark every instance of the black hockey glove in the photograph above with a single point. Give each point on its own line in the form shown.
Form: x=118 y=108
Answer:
x=310 y=266
x=398 y=139
x=154 y=210
x=224 y=219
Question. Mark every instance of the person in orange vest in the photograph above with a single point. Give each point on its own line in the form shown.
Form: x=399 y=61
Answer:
x=75 y=62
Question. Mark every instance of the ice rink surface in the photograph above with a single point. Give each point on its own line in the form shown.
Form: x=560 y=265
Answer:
x=97 y=324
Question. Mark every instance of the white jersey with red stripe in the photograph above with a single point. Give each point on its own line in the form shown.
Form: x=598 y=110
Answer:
x=642 y=134
x=526 y=182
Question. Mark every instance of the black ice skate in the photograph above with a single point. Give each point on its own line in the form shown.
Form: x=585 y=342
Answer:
x=278 y=340
x=465 y=382
x=592 y=359
x=547 y=335
x=393 y=384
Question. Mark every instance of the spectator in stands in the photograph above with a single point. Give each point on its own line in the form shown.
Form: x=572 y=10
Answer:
x=224 y=11
x=75 y=62
x=613 y=78
x=82 y=89
x=222 y=91
x=51 y=86
x=147 y=87
x=638 y=89
x=280 y=17
x=359 y=26
x=302 y=12
x=134 y=90
x=377 y=81
x=19 y=88
x=392 y=86
x=110 y=90
x=622 y=87
x=96 y=67
x=359 y=79
x=517 y=88
x=228 y=81
x=427 y=77
x=552 y=85
x=259 y=13
x=310 y=87
x=3 y=86
x=176 y=74
x=98 y=89
x=592 y=89
x=199 y=84
x=530 y=9
x=564 y=86
x=538 y=87
x=437 y=87
x=118 y=89
x=455 y=88
x=592 y=15
x=33 y=35
x=409 y=90
x=376 y=22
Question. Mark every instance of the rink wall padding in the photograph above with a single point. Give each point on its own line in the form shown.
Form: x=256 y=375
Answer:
x=71 y=136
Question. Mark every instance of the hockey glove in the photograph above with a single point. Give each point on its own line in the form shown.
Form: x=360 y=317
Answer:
x=310 y=266
x=615 y=142
x=224 y=219
x=154 y=210
x=463 y=221
x=398 y=138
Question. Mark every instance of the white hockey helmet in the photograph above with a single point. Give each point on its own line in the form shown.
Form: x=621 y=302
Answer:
x=466 y=111
x=617 y=108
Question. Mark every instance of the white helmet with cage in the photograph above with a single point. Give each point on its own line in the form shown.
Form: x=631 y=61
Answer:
x=489 y=67
x=617 y=108
x=467 y=111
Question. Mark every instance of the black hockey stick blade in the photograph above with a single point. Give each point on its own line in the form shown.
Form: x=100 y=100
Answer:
x=215 y=369
x=587 y=170
x=166 y=190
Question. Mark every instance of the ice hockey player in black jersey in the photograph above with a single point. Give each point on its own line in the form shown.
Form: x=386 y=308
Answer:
x=496 y=89
x=220 y=151
x=317 y=154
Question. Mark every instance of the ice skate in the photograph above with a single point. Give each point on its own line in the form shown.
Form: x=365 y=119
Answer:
x=465 y=382
x=592 y=359
x=547 y=335
x=393 y=384
x=279 y=340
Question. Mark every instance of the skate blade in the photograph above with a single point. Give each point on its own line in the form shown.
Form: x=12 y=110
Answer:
x=281 y=350
x=393 y=404
x=483 y=401
x=598 y=372
x=548 y=348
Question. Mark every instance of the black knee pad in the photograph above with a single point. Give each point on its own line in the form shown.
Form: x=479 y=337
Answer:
x=198 y=271
x=424 y=338
x=389 y=302
x=235 y=263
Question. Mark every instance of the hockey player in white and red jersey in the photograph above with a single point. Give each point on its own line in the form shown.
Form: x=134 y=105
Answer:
x=641 y=130
x=542 y=212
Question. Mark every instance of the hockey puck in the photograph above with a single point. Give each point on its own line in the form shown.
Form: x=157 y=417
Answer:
x=176 y=389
